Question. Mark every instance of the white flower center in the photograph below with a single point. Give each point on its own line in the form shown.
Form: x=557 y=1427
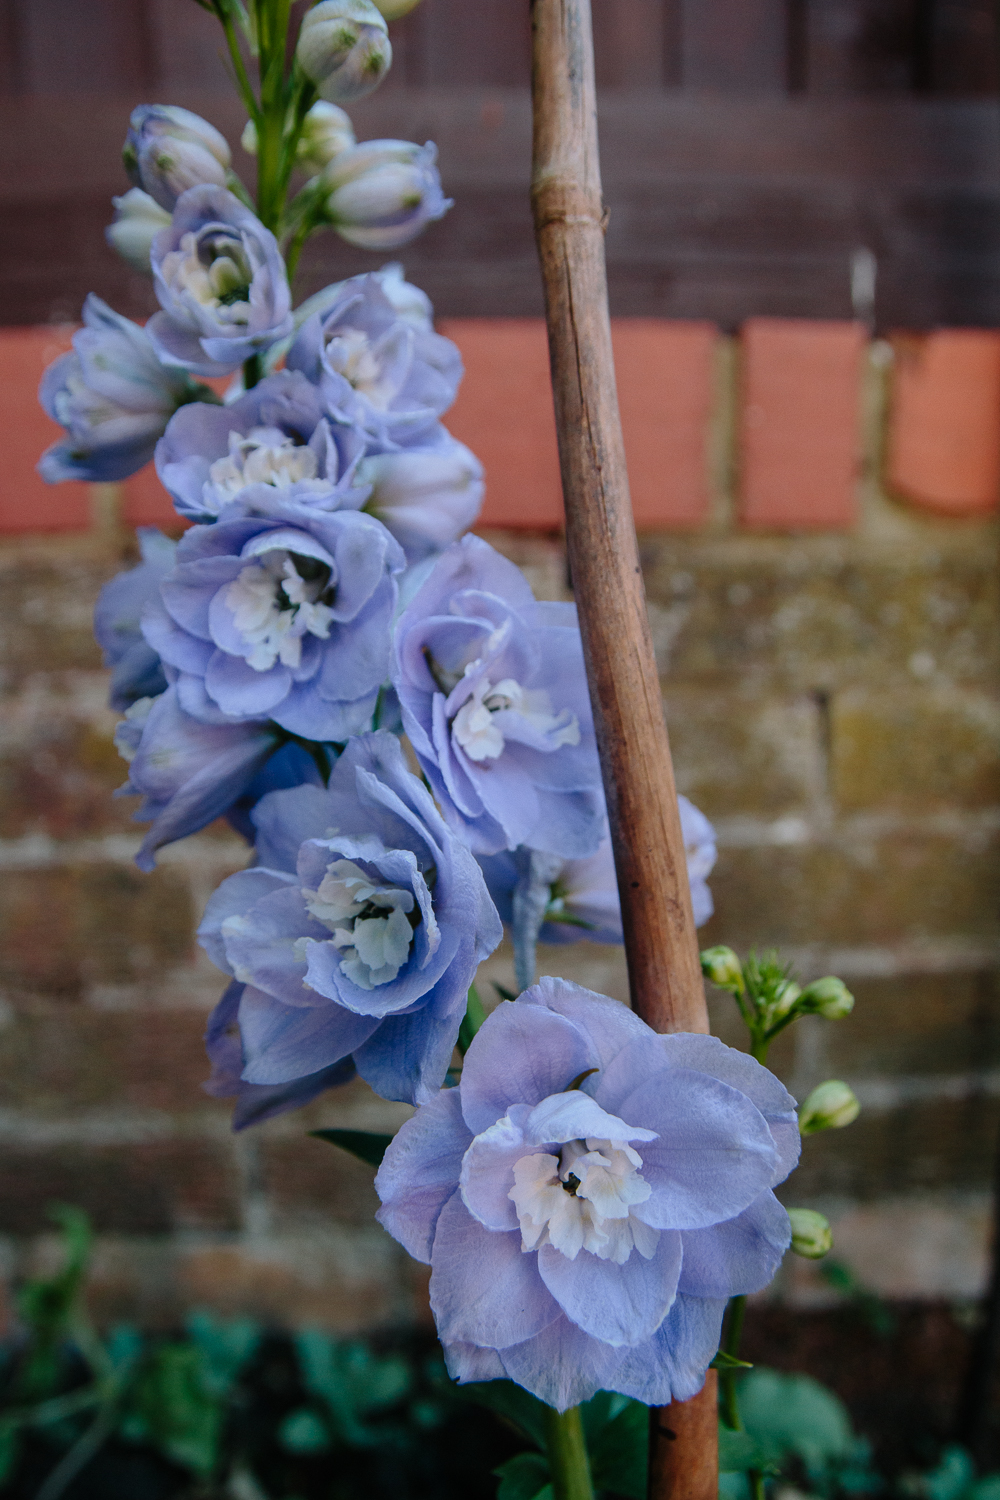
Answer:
x=479 y=733
x=350 y=353
x=371 y=924
x=582 y=1200
x=214 y=272
x=264 y=456
x=276 y=600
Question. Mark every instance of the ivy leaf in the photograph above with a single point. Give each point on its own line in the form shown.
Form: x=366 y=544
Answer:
x=366 y=1145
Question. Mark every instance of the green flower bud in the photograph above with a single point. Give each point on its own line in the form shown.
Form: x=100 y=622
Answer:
x=830 y=1106
x=812 y=1236
x=723 y=968
x=786 y=997
x=827 y=997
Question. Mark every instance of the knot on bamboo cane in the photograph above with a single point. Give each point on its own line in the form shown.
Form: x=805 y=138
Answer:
x=557 y=202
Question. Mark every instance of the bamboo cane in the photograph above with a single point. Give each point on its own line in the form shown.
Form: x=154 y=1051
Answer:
x=660 y=943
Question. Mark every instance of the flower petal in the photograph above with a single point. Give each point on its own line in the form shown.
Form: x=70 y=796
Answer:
x=617 y=1304
x=563 y=1366
x=521 y=1056
x=419 y=1172
x=483 y=1289
x=738 y=1256
x=671 y=1366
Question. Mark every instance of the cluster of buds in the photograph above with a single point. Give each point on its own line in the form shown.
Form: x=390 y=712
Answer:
x=768 y=998
x=344 y=49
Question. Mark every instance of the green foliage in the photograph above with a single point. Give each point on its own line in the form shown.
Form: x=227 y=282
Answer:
x=768 y=997
x=351 y=1385
x=525 y=1477
x=367 y=1145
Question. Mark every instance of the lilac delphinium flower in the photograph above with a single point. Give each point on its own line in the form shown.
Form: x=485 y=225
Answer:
x=257 y=1102
x=383 y=193
x=187 y=772
x=283 y=615
x=426 y=495
x=113 y=396
x=169 y=149
x=221 y=283
x=277 y=436
x=402 y=376
x=358 y=932
x=494 y=700
x=590 y=1196
x=137 y=671
x=583 y=893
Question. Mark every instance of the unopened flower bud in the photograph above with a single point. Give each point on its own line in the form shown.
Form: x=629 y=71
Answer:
x=827 y=997
x=786 y=998
x=344 y=49
x=326 y=131
x=812 y=1236
x=138 y=217
x=723 y=968
x=830 y=1106
x=168 y=150
x=384 y=193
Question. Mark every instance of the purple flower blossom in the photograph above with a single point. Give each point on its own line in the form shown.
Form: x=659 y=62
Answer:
x=257 y=1102
x=113 y=396
x=277 y=436
x=358 y=932
x=188 y=772
x=426 y=495
x=583 y=894
x=169 y=149
x=400 y=376
x=137 y=669
x=495 y=703
x=590 y=1196
x=283 y=614
x=221 y=283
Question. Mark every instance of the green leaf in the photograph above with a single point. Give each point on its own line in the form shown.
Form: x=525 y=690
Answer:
x=8 y=1451
x=302 y=1431
x=526 y=1477
x=724 y=1361
x=617 y=1432
x=475 y=1015
x=504 y=994
x=738 y=1451
x=795 y=1415
x=509 y=1401
x=366 y=1145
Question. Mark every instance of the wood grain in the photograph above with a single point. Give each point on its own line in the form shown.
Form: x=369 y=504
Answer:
x=660 y=943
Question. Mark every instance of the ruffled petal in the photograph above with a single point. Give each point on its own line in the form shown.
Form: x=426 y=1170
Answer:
x=419 y=1172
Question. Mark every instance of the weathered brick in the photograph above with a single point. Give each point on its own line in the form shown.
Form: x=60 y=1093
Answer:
x=58 y=778
x=914 y=749
x=312 y=1180
x=918 y=1024
x=735 y=752
x=72 y=926
x=869 y=890
x=819 y=613
x=147 y=1187
x=47 y=594
x=940 y=1143
x=58 y=1061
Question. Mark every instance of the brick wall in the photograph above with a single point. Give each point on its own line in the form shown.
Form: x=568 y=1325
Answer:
x=819 y=544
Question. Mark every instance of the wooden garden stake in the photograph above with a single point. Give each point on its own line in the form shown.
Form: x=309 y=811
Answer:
x=660 y=942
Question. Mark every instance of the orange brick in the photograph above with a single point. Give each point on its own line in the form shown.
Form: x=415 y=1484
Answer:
x=665 y=387
x=944 y=430
x=799 y=423
x=27 y=503
x=146 y=503
x=504 y=414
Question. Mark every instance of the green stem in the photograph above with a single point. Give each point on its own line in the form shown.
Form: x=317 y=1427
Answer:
x=252 y=371
x=567 y=1452
x=239 y=67
x=760 y=1046
x=728 y=1404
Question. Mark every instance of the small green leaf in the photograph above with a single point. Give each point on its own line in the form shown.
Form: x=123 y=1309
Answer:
x=475 y=1015
x=618 y=1445
x=366 y=1145
x=738 y=1451
x=578 y=1080
x=526 y=1477
x=504 y=994
x=302 y=1431
x=724 y=1361
x=511 y=1402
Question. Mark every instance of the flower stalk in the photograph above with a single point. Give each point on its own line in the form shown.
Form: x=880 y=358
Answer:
x=567 y=1452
